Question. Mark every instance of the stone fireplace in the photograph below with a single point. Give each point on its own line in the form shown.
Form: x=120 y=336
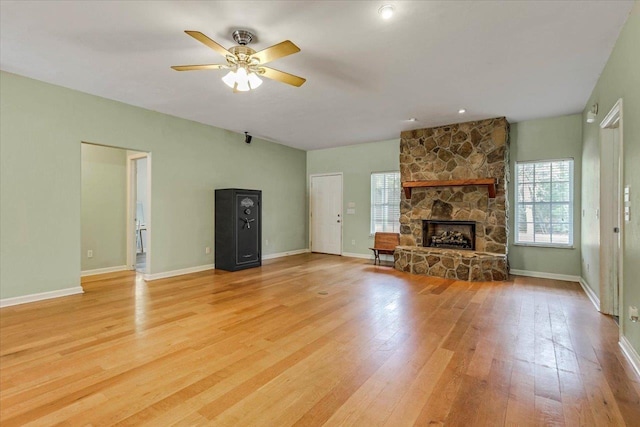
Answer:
x=455 y=174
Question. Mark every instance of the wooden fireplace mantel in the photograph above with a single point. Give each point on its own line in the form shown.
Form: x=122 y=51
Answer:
x=489 y=182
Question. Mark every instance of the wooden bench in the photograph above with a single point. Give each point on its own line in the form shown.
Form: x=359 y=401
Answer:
x=384 y=243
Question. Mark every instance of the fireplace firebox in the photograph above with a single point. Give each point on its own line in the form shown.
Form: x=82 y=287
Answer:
x=449 y=234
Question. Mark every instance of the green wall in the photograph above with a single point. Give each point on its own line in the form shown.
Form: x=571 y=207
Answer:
x=356 y=162
x=41 y=129
x=104 y=207
x=552 y=138
x=619 y=79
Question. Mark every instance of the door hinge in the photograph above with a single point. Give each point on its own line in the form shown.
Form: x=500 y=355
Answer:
x=616 y=229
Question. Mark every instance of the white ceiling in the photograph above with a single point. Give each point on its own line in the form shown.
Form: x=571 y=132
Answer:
x=365 y=76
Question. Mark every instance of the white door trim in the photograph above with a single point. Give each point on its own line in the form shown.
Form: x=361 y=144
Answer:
x=316 y=175
x=614 y=119
x=131 y=210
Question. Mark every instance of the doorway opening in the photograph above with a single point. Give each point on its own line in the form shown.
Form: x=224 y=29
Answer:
x=139 y=211
x=611 y=211
x=325 y=213
x=106 y=206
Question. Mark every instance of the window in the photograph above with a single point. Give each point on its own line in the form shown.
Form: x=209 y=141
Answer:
x=385 y=202
x=544 y=203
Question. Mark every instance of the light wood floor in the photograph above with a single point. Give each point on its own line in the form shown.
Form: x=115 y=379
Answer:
x=314 y=340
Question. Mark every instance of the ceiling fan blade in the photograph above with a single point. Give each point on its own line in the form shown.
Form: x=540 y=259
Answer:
x=276 y=51
x=281 y=76
x=198 y=67
x=208 y=42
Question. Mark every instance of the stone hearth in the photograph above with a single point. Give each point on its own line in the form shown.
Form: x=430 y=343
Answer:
x=451 y=263
x=464 y=151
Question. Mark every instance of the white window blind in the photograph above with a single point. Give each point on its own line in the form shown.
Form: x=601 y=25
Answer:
x=544 y=203
x=385 y=202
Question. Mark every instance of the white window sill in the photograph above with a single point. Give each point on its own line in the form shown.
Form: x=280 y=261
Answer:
x=545 y=245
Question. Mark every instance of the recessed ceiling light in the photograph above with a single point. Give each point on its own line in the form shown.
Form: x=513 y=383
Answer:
x=412 y=119
x=386 y=11
x=462 y=111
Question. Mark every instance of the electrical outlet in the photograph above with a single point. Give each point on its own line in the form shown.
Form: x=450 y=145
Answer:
x=353 y=242
x=207 y=250
x=633 y=313
x=89 y=253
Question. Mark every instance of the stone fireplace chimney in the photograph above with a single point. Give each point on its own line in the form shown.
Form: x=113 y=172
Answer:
x=463 y=154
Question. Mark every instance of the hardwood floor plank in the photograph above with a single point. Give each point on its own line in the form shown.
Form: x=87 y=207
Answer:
x=623 y=391
x=314 y=340
x=575 y=403
x=548 y=412
x=408 y=409
x=521 y=402
x=336 y=397
x=396 y=375
x=602 y=403
x=493 y=411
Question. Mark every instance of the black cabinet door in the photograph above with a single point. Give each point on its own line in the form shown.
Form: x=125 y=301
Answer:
x=248 y=228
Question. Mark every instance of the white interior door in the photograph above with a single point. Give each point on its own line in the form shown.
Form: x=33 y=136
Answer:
x=326 y=213
x=616 y=220
x=611 y=224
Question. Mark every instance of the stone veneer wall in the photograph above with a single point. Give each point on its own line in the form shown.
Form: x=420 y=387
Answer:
x=466 y=150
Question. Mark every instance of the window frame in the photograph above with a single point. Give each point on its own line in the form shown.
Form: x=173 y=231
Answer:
x=518 y=205
x=372 y=230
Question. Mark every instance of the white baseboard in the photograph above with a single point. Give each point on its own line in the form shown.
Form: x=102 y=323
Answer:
x=355 y=255
x=592 y=295
x=283 y=254
x=103 y=270
x=544 y=275
x=173 y=273
x=630 y=353
x=6 y=302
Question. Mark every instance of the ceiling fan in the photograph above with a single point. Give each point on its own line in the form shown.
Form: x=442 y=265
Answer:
x=245 y=64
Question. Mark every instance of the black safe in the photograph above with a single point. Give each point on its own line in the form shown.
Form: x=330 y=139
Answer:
x=238 y=229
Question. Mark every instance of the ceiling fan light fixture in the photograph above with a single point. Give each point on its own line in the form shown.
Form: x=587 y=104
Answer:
x=242 y=80
x=245 y=65
x=230 y=79
x=254 y=80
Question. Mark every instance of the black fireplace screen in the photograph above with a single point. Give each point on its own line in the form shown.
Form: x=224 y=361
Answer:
x=449 y=234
